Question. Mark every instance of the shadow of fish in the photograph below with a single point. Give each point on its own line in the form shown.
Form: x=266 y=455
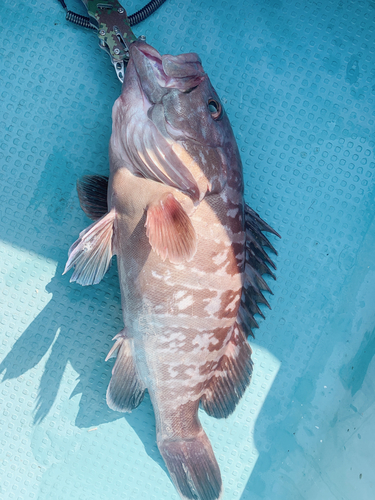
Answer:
x=190 y=258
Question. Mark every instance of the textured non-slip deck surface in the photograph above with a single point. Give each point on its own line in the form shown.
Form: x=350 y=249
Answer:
x=298 y=82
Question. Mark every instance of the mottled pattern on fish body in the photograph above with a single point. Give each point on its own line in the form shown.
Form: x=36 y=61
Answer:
x=176 y=221
x=181 y=316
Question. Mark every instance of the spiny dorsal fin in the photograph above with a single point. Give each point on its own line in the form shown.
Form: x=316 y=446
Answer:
x=257 y=261
x=252 y=217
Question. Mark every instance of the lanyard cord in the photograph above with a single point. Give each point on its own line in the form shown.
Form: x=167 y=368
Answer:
x=134 y=19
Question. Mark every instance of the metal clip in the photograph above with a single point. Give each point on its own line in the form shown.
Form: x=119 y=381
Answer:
x=120 y=70
x=115 y=34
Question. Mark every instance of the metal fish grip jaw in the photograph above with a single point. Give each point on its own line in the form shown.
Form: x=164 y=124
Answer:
x=114 y=31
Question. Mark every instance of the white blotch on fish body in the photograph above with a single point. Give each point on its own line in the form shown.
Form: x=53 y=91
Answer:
x=168 y=348
x=158 y=276
x=204 y=340
x=232 y=305
x=232 y=212
x=220 y=257
x=179 y=267
x=168 y=337
x=174 y=369
x=189 y=364
x=224 y=195
x=172 y=372
x=185 y=302
x=232 y=350
x=220 y=241
x=214 y=305
x=234 y=237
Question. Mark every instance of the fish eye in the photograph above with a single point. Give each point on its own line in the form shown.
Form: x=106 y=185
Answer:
x=214 y=107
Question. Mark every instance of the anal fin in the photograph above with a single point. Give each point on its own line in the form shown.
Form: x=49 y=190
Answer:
x=126 y=390
x=231 y=377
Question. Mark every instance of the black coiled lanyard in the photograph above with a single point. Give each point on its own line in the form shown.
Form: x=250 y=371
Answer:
x=109 y=19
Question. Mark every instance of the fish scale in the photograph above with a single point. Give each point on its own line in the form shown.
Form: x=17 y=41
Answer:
x=190 y=258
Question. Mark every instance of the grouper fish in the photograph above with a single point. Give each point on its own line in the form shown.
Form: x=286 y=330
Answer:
x=190 y=256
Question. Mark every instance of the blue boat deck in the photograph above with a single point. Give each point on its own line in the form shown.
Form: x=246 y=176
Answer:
x=298 y=82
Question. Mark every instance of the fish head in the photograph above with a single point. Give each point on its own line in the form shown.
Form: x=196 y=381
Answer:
x=183 y=93
x=179 y=123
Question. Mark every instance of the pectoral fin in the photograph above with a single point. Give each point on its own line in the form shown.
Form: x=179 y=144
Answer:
x=170 y=231
x=92 y=194
x=91 y=254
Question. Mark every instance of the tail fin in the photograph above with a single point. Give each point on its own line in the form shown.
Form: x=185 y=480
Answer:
x=193 y=467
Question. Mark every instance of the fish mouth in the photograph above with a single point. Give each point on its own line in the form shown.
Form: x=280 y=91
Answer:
x=146 y=57
x=183 y=72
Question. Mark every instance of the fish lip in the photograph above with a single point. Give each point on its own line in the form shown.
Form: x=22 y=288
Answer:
x=166 y=69
x=145 y=54
x=147 y=50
